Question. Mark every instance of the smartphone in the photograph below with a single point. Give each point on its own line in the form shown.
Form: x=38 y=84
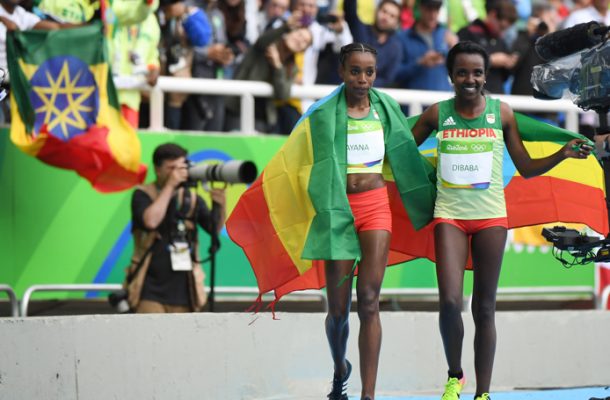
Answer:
x=327 y=19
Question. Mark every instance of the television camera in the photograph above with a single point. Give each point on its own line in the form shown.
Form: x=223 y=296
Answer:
x=577 y=67
x=581 y=247
x=578 y=61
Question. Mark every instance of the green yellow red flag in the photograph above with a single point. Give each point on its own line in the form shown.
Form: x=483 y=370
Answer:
x=64 y=107
x=296 y=213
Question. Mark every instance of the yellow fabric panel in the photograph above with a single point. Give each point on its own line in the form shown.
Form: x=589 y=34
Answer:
x=286 y=170
x=122 y=138
x=366 y=10
x=27 y=143
x=570 y=169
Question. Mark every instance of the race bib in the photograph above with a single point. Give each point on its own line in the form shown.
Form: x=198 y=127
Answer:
x=466 y=164
x=364 y=148
x=180 y=256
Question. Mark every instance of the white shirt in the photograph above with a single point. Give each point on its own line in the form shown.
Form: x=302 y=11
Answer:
x=321 y=36
x=585 y=15
x=23 y=19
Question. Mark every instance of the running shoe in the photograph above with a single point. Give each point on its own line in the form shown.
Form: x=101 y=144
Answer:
x=484 y=396
x=339 y=391
x=453 y=387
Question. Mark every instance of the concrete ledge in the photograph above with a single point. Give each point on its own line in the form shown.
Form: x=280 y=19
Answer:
x=241 y=356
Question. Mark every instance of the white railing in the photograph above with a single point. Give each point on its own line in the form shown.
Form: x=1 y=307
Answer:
x=249 y=293
x=248 y=90
x=12 y=299
x=88 y=287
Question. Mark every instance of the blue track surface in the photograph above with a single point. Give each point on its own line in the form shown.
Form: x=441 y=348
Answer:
x=560 y=394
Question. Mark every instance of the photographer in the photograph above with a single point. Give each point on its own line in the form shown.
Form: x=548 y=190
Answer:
x=167 y=273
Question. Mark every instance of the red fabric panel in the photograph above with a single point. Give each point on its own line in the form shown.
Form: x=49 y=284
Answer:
x=250 y=227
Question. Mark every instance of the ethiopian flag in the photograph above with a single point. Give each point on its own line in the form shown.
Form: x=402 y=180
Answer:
x=64 y=107
x=286 y=222
x=297 y=212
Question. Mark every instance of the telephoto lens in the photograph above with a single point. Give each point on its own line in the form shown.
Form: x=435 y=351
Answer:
x=234 y=171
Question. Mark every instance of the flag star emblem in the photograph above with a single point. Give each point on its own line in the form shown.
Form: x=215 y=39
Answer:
x=64 y=96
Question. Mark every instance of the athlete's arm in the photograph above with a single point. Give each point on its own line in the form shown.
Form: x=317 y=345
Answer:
x=426 y=123
x=527 y=166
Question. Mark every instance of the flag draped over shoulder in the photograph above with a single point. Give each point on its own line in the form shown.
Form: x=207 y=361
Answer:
x=275 y=219
x=64 y=107
x=297 y=211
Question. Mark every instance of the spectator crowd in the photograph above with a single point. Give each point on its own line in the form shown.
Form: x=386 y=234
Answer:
x=283 y=42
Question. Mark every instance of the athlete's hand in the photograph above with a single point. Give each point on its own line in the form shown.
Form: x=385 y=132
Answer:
x=577 y=148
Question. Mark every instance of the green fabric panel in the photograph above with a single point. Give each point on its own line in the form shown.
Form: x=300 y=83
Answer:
x=19 y=83
x=332 y=235
x=414 y=176
x=85 y=43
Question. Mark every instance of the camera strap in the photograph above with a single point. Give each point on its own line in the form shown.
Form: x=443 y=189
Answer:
x=133 y=273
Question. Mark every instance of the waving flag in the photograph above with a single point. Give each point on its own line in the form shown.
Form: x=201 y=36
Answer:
x=64 y=107
x=272 y=224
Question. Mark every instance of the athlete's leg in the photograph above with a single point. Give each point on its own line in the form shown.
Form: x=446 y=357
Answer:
x=451 y=250
x=339 y=303
x=487 y=251
x=375 y=246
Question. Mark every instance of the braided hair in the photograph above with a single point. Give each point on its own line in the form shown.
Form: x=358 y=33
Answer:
x=353 y=47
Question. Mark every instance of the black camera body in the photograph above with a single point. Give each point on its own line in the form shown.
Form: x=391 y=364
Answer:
x=579 y=245
x=569 y=239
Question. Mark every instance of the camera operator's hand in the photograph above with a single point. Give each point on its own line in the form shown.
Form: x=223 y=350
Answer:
x=577 y=148
x=219 y=200
x=219 y=196
x=178 y=175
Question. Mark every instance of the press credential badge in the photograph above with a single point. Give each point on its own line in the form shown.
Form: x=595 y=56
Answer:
x=180 y=256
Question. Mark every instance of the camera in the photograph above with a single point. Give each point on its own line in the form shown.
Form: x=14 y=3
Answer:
x=118 y=300
x=580 y=246
x=234 y=171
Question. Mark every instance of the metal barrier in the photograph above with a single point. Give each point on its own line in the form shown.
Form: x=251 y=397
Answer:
x=12 y=298
x=248 y=90
x=546 y=291
x=392 y=293
x=90 y=287
x=103 y=287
